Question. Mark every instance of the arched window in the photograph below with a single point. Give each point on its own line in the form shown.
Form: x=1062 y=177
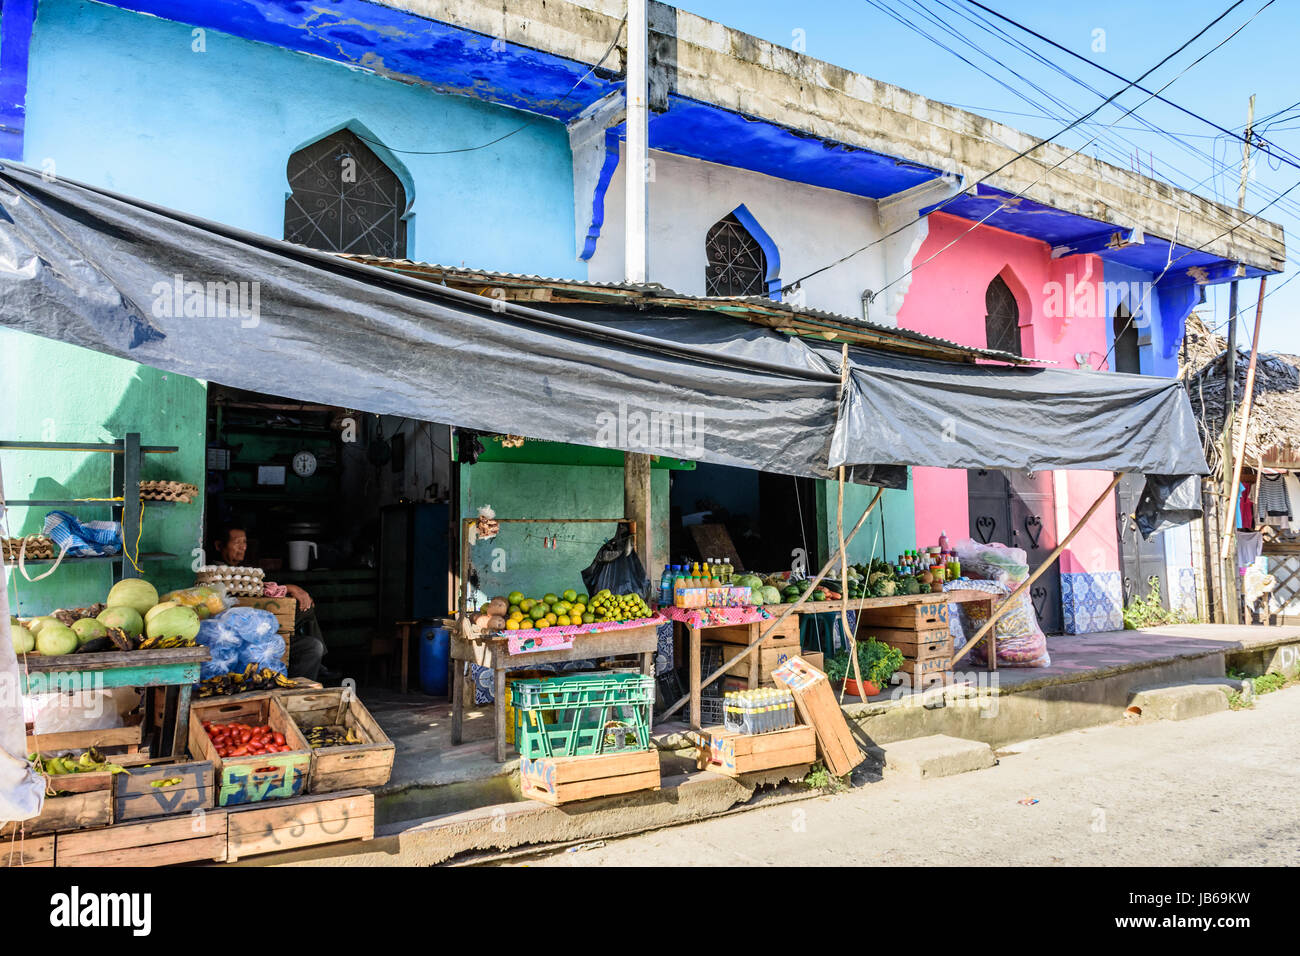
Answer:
x=1126 y=343
x=345 y=199
x=736 y=263
x=1002 y=318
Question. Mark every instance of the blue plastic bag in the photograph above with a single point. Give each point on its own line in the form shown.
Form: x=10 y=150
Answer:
x=250 y=623
x=218 y=637
x=220 y=664
x=266 y=652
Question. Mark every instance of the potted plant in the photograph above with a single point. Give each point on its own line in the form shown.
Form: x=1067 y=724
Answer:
x=877 y=661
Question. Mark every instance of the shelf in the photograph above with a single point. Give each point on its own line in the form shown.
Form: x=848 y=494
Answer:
x=74 y=503
x=147 y=556
x=283 y=431
x=113 y=448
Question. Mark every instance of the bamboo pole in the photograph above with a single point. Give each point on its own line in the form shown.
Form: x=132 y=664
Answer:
x=789 y=609
x=851 y=636
x=1247 y=403
x=1024 y=585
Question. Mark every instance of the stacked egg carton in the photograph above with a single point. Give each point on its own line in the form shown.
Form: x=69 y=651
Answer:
x=239 y=582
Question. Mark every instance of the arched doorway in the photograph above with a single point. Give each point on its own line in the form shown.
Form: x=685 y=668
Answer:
x=1126 y=342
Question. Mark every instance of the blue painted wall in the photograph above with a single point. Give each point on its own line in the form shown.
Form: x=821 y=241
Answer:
x=124 y=101
x=1161 y=335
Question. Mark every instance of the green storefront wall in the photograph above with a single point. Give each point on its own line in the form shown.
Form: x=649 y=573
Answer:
x=62 y=393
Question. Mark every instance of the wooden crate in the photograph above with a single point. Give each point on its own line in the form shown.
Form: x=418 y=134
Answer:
x=84 y=799
x=769 y=659
x=915 y=617
x=301 y=822
x=557 y=780
x=785 y=634
x=71 y=811
x=163 y=788
x=241 y=780
x=936 y=670
x=819 y=709
x=368 y=764
x=21 y=848
x=161 y=842
x=734 y=754
x=814 y=659
x=918 y=645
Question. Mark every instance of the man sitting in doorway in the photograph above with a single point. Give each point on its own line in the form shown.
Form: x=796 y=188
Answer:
x=307 y=649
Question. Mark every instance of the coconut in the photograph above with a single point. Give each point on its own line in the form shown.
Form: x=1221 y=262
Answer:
x=56 y=638
x=134 y=593
x=126 y=618
x=88 y=629
x=24 y=640
x=177 y=621
x=36 y=623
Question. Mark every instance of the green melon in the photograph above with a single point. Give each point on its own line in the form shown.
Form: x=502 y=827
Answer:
x=126 y=618
x=87 y=629
x=178 y=621
x=24 y=640
x=56 y=638
x=134 y=593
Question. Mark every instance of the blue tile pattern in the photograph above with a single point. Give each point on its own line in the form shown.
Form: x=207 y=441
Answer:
x=1092 y=601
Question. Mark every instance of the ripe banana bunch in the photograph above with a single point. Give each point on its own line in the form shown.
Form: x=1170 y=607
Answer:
x=250 y=679
x=332 y=735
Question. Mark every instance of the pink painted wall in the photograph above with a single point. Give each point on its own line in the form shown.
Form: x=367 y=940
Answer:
x=946 y=298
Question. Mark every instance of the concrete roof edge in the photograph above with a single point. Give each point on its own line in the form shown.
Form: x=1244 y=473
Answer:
x=794 y=90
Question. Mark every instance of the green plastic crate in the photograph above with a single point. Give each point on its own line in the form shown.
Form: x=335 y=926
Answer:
x=577 y=715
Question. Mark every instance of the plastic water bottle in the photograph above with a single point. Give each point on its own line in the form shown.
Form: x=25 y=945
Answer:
x=666 y=584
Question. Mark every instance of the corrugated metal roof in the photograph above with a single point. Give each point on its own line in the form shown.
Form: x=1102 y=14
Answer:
x=783 y=316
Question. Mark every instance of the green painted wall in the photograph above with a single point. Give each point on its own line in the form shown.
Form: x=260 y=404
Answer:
x=517 y=558
x=58 y=392
x=892 y=525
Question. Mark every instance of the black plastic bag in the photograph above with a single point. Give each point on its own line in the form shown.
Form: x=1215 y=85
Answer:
x=617 y=567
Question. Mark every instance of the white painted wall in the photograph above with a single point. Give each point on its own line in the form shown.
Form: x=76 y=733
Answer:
x=810 y=225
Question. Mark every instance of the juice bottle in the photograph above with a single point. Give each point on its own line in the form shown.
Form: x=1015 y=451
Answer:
x=680 y=584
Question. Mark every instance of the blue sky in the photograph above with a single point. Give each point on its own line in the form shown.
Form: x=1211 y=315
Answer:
x=1130 y=37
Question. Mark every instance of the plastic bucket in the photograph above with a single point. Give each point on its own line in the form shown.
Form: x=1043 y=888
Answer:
x=435 y=658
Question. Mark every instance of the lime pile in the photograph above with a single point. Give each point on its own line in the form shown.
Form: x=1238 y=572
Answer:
x=571 y=607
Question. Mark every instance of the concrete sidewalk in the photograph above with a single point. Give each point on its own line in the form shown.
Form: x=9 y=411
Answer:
x=444 y=800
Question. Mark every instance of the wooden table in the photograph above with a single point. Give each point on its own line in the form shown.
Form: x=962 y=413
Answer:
x=826 y=607
x=176 y=668
x=494 y=652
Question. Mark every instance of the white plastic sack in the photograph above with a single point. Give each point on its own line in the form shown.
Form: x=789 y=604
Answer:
x=999 y=569
x=22 y=790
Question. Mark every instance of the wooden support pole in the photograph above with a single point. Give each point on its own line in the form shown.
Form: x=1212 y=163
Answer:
x=1247 y=403
x=636 y=505
x=1024 y=585
x=850 y=635
x=789 y=609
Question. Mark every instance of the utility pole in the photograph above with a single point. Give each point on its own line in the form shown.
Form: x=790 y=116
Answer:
x=636 y=244
x=1228 y=509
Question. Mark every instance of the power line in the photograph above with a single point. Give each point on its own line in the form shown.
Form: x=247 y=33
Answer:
x=1048 y=139
x=1128 y=112
x=1292 y=160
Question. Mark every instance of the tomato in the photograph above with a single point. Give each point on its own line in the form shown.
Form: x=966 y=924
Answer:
x=278 y=737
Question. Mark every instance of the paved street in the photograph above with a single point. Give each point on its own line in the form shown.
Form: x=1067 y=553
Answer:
x=1212 y=790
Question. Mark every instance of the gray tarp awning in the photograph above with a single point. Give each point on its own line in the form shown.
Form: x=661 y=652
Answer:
x=114 y=274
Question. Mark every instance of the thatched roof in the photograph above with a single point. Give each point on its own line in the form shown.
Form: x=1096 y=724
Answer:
x=1273 y=434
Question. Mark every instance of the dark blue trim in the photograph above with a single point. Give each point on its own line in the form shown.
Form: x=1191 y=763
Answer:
x=598 y=196
x=16 y=19
x=768 y=245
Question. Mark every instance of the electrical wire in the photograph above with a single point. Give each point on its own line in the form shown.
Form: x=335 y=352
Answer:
x=1293 y=161
x=1049 y=139
x=518 y=129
